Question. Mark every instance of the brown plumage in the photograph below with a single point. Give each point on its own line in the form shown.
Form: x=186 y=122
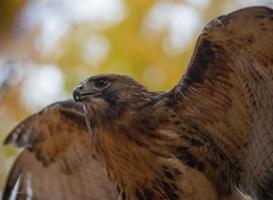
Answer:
x=208 y=135
x=57 y=162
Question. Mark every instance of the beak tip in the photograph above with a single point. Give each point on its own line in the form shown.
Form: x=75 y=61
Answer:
x=77 y=93
x=75 y=97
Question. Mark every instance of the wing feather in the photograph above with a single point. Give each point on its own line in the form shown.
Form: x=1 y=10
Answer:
x=57 y=162
x=228 y=90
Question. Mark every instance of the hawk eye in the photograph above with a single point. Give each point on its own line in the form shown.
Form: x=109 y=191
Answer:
x=101 y=83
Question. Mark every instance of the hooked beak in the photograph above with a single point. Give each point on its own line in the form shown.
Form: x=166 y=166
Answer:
x=79 y=94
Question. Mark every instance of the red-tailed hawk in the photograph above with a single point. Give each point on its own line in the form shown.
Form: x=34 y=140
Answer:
x=208 y=135
x=57 y=162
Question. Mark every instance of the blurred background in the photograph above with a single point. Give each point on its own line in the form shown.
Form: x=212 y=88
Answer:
x=48 y=46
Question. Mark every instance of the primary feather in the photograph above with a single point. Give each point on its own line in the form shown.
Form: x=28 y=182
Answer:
x=57 y=160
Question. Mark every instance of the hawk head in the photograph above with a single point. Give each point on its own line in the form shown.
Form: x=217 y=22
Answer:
x=107 y=97
x=110 y=90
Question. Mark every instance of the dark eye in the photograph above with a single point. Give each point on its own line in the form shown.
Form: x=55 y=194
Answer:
x=101 y=83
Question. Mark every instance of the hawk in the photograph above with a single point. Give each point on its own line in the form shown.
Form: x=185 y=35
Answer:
x=57 y=162
x=206 y=137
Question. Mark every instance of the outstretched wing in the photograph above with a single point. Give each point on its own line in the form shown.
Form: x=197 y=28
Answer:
x=57 y=162
x=228 y=90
